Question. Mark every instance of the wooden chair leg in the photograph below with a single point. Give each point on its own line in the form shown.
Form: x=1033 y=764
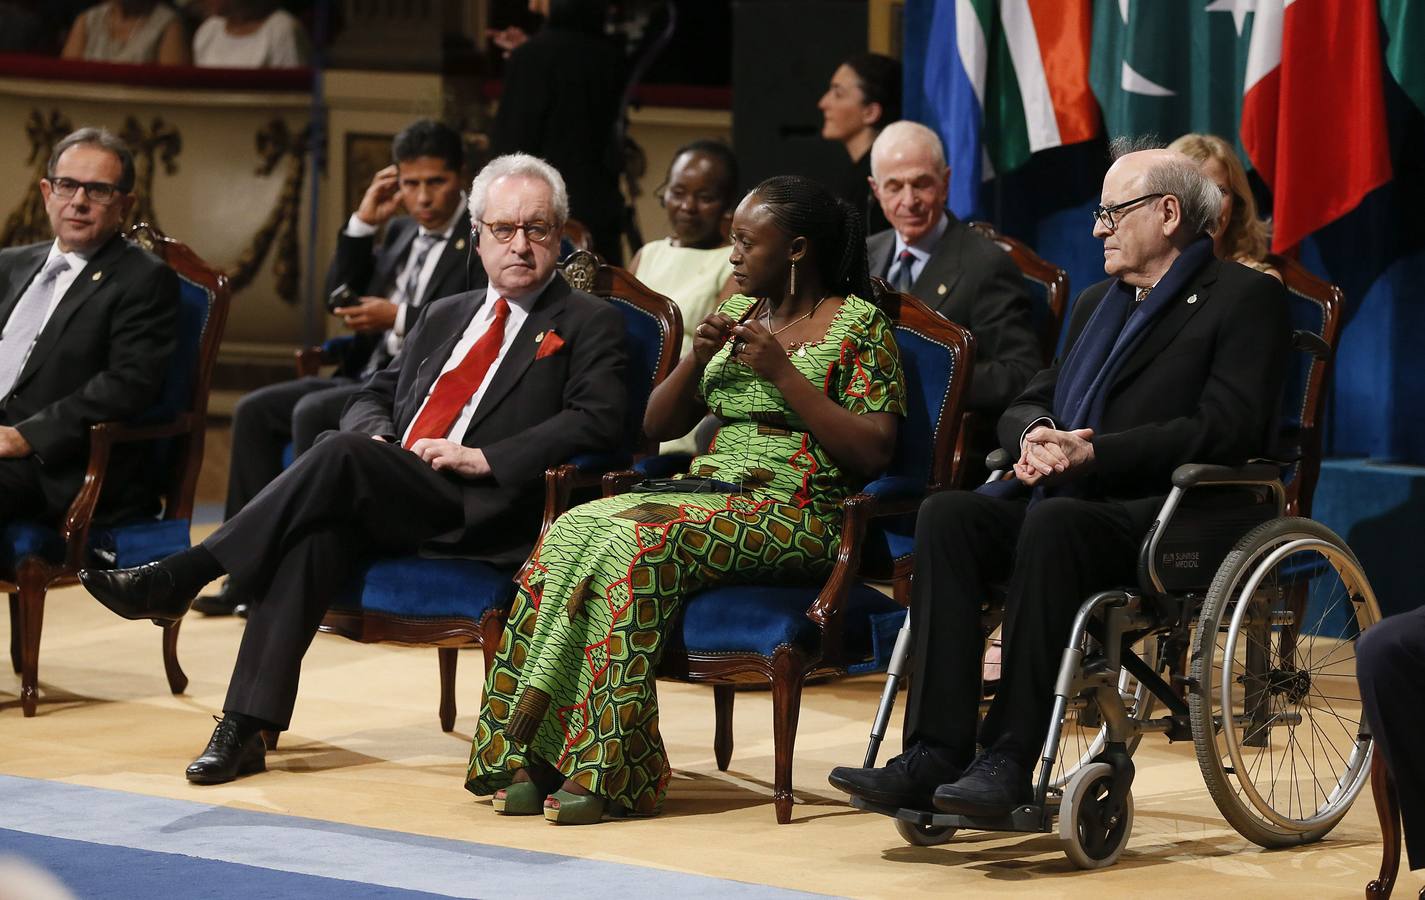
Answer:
x=448 y=660
x=723 y=695
x=177 y=679
x=788 y=672
x=15 y=632
x=1388 y=811
x=31 y=580
x=270 y=739
x=492 y=628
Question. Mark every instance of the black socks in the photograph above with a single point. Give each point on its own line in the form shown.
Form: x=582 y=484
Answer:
x=192 y=569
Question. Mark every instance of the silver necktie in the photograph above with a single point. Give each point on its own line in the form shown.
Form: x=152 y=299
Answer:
x=424 y=243
x=25 y=323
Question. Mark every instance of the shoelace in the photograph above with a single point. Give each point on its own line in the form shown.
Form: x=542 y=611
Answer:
x=227 y=730
x=989 y=763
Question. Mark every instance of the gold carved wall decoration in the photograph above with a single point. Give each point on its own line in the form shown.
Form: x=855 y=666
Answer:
x=277 y=143
x=27 y=223
x=159 y=143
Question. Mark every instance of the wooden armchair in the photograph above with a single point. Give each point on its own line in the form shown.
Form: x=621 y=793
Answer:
x=35 y=557
x=1049 y=285
x=454 y=603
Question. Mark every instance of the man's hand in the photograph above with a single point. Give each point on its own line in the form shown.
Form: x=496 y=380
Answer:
x=371 y=314
x=382 y=199
x=448 y=456
x=1051 y=456
x=13 y=444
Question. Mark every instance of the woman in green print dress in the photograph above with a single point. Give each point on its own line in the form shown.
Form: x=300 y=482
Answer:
x=805 y=379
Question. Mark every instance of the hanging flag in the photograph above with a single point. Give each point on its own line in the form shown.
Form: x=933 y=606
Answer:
x=1004 y=80
x=1405 y=45
x=1313 y=111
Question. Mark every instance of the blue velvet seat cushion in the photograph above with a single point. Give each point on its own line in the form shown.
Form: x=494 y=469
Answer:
x=122 y=546
x=422 y=588
x=758 y=619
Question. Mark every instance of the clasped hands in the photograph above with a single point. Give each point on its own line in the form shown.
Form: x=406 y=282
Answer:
x=448 y=456
x=753 y=345
x=1050 y=456
x=13 y=444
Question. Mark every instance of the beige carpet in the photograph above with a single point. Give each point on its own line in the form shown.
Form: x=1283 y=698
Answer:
x=366 y=749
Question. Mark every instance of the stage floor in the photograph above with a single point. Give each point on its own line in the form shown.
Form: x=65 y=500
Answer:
x=366 y=750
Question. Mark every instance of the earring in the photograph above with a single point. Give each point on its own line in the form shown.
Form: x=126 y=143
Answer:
x=792 y=280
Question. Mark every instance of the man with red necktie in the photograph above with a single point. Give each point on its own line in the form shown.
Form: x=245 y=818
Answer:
x=442 y=452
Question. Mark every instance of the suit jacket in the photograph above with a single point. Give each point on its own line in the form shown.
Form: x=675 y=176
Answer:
x=101 y=357
x=535 y=413
x=973 y=283
x=1204 y=385
x=370 y=267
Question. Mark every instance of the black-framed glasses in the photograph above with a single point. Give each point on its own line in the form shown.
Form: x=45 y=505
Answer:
x=536 y=232
x=1108 y=216
x=101 y=192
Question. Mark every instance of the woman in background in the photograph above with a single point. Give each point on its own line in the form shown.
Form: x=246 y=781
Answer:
x=1239 y=235
x=250 y=34
x=692 y=266
x=128 y=31
x=864 y=96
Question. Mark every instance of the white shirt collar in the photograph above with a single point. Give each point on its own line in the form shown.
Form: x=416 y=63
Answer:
x=75 y=259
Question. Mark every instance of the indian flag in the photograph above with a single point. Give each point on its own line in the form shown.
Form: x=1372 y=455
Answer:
x=1006 y=79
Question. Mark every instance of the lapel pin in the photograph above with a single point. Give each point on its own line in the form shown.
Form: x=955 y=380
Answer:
x=539 y=337
x=1192 y=299
x=460 y=244
x=96 y=276
x=940 y=290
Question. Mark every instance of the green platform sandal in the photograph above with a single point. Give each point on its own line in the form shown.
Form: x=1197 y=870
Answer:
x=522 y=798
x=575 y=809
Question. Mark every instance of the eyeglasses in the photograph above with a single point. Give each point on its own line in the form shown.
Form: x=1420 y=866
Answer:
x=101 y=192
x=535 y=232
x=1108 y=216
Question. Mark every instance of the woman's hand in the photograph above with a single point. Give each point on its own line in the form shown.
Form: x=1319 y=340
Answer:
x=710 y=335
x=758 y=349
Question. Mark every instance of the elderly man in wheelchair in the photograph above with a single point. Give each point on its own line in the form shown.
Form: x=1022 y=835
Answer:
x=1173 y=373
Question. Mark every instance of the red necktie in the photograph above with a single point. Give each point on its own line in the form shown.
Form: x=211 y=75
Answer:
x=455 y=388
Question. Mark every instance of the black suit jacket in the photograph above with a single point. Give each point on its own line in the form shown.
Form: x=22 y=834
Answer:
x=535 y=413
x=973 y=283
x=369 y=267
x=1203 y=386
x=101 y=357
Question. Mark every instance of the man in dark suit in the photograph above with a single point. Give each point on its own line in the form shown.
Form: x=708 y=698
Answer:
x=440 y=452
x=389 y=280
x=1178 y=357
x=87 y=328
x=932 y=255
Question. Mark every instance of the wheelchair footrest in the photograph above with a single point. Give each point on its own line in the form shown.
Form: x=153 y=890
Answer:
x=1030 y=818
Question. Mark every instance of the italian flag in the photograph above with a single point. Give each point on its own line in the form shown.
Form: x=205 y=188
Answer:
x=1313 y=111
x=1017 y=82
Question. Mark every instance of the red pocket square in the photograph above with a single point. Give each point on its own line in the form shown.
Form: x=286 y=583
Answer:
x=549 y=345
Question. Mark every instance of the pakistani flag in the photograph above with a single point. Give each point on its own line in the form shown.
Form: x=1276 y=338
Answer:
x=1167 y=67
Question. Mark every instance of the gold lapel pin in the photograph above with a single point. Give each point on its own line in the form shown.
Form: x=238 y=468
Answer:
x=460 y=244
x=96 y=276
x=1192 y=299
x=539 y=337
x=941 y=290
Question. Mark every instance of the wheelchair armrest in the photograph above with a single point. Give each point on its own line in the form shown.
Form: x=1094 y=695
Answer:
x=998 y=459
x=1191 y=475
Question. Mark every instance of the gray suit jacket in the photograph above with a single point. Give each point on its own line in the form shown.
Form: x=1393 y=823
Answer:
x=975 y=284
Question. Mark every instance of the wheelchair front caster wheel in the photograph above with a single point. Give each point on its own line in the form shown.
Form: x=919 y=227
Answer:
x=1093 y=834
x=924 y=835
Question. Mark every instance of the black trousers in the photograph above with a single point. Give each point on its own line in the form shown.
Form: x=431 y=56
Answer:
x=268 y=419
x=300 y=539
x=1390 y=665
x=22 y=494
x=1052 y=556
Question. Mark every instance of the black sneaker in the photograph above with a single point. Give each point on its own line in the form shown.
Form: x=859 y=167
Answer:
x=908 y=780
x=994 y=785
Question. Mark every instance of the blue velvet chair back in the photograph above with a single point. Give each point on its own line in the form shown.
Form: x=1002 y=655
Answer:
x=930 y=365
x=644 y=340
x=1048 y=287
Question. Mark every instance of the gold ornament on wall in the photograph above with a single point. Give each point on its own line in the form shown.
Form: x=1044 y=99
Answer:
x=159 y=143
x=28 y=223
x=276 y=143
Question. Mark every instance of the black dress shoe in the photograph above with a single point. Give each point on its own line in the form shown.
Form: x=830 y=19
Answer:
x=229 y=755
x=226 y=602
x=994 y=785
x=908 y=780
x=143 y=592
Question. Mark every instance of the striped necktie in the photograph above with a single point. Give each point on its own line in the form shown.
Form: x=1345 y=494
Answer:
x=411 y=284
x=902 y=280
x=25 y=323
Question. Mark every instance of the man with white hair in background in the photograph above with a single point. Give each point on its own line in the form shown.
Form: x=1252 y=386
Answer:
x=1177 y=357
x=442 y=451
x=929 y=253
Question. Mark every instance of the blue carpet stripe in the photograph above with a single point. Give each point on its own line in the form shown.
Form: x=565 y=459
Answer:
x=328 y=851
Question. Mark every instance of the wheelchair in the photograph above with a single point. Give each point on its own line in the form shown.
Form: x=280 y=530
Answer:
x=1242 y=629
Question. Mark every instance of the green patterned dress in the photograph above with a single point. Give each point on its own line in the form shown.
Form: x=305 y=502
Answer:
x=574 y=679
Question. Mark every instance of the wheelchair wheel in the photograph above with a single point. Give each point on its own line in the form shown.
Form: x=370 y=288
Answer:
x=1275 y=712
x=924 y=835
x=1093 y=836
x=1084 y=733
